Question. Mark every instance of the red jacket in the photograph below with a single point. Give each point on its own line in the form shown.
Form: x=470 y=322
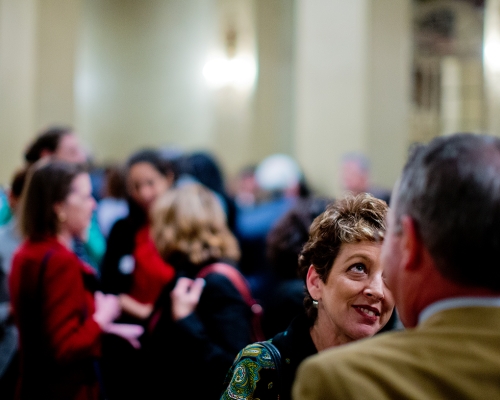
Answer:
x=151 y=273
x=53 y=310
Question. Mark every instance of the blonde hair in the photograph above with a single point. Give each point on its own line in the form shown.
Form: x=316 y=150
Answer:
x=190 y=221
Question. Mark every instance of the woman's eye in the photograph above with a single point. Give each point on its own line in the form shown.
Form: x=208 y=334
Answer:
x=359 y=268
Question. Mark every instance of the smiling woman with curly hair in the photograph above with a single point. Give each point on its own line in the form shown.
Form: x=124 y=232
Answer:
x=346 y=299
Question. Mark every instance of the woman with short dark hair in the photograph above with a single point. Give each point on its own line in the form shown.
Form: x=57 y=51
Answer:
x=346 y=299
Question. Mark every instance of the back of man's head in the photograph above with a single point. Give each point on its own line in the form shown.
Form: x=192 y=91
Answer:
x=451 y=189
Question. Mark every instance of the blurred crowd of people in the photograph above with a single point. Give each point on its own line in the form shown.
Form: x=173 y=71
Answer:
x=157 y=275
x=88 y=249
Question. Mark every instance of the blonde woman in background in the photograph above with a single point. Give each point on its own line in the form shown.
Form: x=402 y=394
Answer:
x=198 y=325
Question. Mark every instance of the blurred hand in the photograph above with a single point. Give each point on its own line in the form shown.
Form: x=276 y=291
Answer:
x=107 y=309
x=135 y=308
x=185 y=297
x=129 y=332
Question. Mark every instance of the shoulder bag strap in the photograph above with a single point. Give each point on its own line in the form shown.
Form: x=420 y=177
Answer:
x=276 y=357
x=241 y=284
x=231 y=273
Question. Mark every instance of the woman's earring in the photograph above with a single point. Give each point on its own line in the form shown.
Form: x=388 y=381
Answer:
x=315 y=303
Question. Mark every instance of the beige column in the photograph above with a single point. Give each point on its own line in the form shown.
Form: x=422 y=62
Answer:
x=17 y=81
x=352 y=87
x=492 y=64
x=331 y=86
x=38 y=45
x=59 y=24
x=389 y=69
x=274 y=97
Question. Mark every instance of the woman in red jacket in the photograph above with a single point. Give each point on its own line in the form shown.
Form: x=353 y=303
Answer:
x=59 y=314
x=133 y=269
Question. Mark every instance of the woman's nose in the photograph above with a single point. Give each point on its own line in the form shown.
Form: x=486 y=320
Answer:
x=375 y=288
x=145 y=193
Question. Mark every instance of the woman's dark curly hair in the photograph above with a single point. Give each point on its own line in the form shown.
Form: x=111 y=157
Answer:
x=352 y=219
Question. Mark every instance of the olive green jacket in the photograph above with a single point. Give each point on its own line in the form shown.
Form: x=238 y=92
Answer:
x=454 y=354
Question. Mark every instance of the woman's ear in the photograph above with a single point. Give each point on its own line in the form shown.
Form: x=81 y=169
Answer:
x=57 y=208
x=60 y=212
x=313 y=282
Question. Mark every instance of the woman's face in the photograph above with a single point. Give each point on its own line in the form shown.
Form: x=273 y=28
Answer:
x=146 y=184
x=354 y=302
x=75 y=211
x=69 y=149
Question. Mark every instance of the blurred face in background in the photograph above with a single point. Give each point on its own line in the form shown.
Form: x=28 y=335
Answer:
x=69 y=149
x=75 y=211
x=354 y=178
x=145 y=184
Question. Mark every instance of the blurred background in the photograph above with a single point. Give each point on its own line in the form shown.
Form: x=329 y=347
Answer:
x=314 y=79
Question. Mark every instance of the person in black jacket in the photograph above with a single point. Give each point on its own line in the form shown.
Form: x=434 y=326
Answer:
x=198 y=325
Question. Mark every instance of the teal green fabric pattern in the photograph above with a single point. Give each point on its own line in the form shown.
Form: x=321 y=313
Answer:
x=252 y=376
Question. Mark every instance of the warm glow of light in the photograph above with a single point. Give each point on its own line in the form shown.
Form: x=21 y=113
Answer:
x=239 y=72
x=491 y=53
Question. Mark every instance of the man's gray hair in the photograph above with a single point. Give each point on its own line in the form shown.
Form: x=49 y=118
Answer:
x=451 y=189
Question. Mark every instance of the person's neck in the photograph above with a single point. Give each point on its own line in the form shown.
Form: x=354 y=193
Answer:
x=323 y=337
x=440 y=288
x=66 y=239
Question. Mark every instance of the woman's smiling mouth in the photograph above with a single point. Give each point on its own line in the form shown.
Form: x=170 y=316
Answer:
x=366 y=311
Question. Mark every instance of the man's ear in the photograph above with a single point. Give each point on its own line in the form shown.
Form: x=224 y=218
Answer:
x=411 y=243
x=313 y=283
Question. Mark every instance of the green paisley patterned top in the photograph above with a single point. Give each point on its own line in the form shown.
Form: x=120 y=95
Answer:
x=253 y=375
